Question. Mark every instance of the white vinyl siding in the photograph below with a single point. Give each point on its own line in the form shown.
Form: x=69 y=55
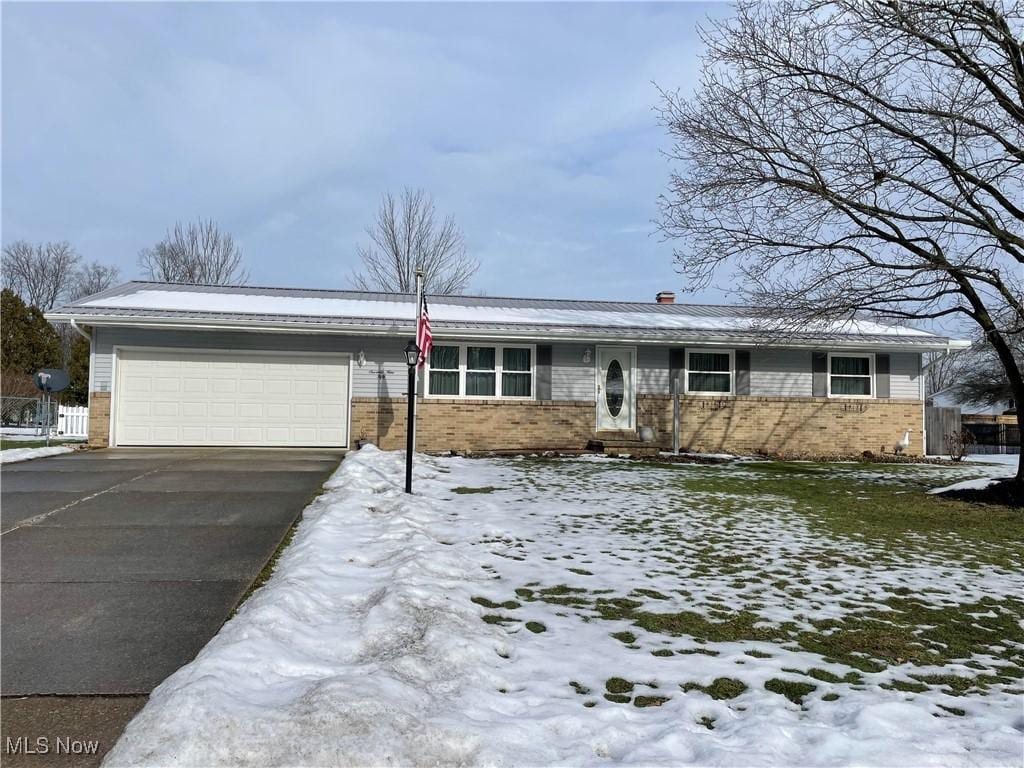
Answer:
x=781 y=372
x=905 y=375
x=571 y=378
x=774 y=372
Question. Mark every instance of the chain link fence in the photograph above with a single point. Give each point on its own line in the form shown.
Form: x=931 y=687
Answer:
x=28 y=414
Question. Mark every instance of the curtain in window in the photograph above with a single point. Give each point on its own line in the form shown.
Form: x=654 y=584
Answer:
x=709 y=382
x=515 y=385
x=709 y=372
x=709 y=361
x=444 y=382
x=852 y=385
x=479 y=384
x=515 y=359
x=444 y=370
x=480 y=358
x=851 y=366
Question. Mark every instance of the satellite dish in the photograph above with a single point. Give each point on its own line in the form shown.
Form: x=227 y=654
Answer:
x=52 y=380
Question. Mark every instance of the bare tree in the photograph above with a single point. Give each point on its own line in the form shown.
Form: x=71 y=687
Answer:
x=92 y=278
x=983 y=379
x=859 y=156
x=944 y=369
x=406 y=236
x=40 y=274
x=197 y=253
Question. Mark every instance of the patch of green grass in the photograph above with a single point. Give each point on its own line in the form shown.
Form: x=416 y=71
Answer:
x=493 y=618
x=7 y=444
x=663 y=652
x=649 y=701
x=481 y=489
x=581 y=571
x=708 y=722
x=618 y=685
x=536 y=627
x=721 y=688
x=625 y=637
x=581 y=689
x=509 y=605
x=830 y=697
x=795 y=692
x=953 y=710
x=618 y=698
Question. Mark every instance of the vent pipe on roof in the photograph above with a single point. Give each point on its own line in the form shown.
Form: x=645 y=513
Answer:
x=665 y=297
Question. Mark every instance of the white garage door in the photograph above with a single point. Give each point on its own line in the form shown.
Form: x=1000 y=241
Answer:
x=230 y=398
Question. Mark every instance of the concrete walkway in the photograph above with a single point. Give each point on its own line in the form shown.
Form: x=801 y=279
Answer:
x=119 y=565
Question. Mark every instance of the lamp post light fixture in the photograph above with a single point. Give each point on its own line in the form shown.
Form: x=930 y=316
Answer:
x=412 y=357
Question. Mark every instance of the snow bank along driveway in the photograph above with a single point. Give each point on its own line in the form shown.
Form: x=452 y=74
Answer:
x=12 y=455
x=536 y=612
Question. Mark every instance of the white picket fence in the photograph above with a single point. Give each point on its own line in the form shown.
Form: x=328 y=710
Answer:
x=73 y=421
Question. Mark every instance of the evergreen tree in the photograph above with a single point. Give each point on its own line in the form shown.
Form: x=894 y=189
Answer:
x=27 y=343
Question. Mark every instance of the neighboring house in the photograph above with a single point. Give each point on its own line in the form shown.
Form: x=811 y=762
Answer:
x=198 y=365
x=948 y=398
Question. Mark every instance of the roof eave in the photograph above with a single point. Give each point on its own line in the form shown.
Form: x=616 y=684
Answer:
x=565 y=335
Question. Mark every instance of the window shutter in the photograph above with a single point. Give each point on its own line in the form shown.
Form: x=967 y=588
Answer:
x=882 y=376
x=819 y=371
x=742 y=371
x=542 y=372
x=676 y=368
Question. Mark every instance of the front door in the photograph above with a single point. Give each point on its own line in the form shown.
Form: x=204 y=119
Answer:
x=616 y=394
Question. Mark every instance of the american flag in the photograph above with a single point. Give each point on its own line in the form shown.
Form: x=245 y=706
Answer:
x=424 y=339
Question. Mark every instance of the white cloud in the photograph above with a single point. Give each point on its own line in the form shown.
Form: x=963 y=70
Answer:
x=286 y=123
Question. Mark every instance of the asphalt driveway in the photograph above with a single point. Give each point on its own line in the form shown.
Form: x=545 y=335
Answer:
x=119 y=565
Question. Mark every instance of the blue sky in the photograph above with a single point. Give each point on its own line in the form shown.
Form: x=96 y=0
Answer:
x=532 y=124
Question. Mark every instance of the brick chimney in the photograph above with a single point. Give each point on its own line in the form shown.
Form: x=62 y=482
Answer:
x=665 y=297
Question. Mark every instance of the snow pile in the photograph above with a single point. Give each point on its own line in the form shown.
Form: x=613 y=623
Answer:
x=997 y=467
x=977 y=484
x=366 y=646
x=12 y=455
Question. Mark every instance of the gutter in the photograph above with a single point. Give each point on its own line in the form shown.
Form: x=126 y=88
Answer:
x=570 y=336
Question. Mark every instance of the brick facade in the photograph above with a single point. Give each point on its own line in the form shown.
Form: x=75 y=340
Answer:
x=476 y=425
x=99 y=419
x=787 y=426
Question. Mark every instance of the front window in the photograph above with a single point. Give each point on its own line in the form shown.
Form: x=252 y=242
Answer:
x=480 y=369
x=444 y=370
x=709 y=372
x=470 y=370
x=516 y=372
x=849 y=376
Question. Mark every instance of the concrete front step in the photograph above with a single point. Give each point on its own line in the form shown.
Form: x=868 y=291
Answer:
x=619 y=446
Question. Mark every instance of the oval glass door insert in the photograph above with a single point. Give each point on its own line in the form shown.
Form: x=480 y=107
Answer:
x=614 y=388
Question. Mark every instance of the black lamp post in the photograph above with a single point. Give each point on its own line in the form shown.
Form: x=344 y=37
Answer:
x=412 y=357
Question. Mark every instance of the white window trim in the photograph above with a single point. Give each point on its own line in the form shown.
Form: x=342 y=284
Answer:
x=732 y=371
x=871 y=375
x=499 y=359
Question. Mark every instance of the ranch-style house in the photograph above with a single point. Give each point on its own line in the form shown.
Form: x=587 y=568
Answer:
x=244 y=366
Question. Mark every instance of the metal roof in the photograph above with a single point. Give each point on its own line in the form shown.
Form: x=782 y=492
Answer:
x=139 y=303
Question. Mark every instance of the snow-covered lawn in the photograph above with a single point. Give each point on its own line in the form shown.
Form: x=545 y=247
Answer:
x=12 y=455
x=582 y=612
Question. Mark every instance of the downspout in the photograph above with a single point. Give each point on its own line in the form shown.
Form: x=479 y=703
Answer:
x=81 y=332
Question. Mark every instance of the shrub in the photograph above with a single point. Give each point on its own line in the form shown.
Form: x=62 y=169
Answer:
x=957 y=443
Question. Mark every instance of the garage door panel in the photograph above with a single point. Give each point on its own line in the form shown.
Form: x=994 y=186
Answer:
x=169 y=397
